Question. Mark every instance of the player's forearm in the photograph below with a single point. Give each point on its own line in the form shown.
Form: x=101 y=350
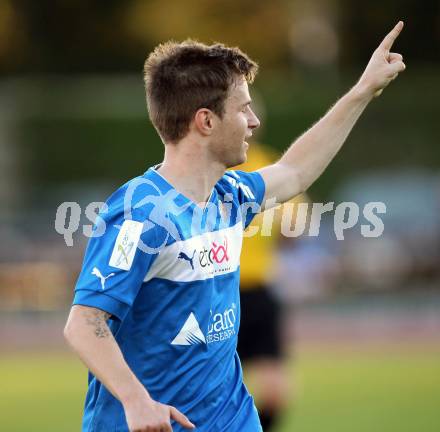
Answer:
x=88 y=334
x=311 y=153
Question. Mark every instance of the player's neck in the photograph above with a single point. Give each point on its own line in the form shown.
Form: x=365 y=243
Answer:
x=191 y=171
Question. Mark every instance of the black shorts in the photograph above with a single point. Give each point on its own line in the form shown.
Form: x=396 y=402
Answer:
x=259 y=334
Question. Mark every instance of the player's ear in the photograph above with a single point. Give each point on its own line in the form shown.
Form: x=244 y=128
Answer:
x=204 y=121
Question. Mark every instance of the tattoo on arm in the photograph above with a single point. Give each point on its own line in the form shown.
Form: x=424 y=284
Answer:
x=97 y=319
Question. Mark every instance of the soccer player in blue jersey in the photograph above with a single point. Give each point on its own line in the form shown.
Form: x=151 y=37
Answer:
x=156 y=309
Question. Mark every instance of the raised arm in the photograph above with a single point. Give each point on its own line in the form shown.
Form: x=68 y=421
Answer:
x=310 y=154
x=88 y=334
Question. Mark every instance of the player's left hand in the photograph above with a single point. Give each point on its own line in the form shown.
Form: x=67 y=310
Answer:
x=384 y=65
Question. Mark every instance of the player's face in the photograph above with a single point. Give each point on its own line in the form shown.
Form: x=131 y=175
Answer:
x=235 y=127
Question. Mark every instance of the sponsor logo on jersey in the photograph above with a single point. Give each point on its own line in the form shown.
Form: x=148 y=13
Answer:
x=221 y=327
x=126 y=244
x=190 y=333
x=216 y=254
x=96 y=272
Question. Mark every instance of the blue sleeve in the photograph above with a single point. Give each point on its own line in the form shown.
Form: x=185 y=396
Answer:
x=250 y=189
x=116 y=261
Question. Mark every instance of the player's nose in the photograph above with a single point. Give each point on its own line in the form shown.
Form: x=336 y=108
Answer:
x=253 y=121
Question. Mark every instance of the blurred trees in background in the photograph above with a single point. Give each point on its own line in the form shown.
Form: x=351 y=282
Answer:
x=69 y=36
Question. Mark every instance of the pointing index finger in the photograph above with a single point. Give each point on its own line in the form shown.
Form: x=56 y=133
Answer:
x=389 y=39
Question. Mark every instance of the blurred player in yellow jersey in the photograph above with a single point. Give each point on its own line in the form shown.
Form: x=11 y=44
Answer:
x=260 y=337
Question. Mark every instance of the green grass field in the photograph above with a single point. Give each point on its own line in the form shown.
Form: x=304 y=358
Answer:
x=338 y=390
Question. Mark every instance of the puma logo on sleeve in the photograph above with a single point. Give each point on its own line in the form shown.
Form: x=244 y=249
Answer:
x=99 y=275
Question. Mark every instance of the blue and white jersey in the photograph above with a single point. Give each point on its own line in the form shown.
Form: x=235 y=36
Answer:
x=168 y=273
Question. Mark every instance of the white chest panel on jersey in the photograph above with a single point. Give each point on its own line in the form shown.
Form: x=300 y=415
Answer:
x=200 y=257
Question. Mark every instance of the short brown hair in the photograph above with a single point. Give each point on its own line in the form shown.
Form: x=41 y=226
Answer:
x=180 y=78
